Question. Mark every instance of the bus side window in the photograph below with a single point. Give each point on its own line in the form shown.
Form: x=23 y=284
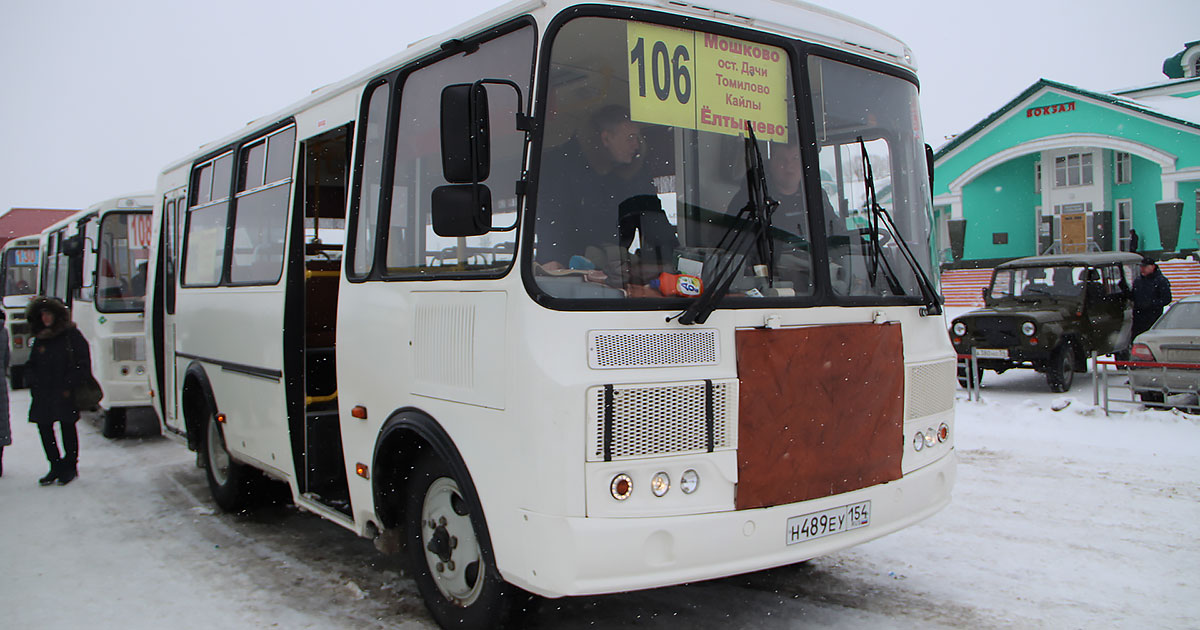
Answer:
x=368 y=191
x=260 y=211
x=413 y=248
x=204 y=241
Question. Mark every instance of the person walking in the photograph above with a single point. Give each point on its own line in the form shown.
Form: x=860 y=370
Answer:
x=5 y=427
x=59 y=362
x=1151 y=293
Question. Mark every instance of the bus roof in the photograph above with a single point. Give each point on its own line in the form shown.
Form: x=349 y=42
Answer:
x=793 y=18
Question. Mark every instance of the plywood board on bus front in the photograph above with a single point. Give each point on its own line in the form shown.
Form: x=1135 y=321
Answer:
x=821 y=411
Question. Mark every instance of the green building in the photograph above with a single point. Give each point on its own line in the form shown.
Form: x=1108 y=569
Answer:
x=1060 y=169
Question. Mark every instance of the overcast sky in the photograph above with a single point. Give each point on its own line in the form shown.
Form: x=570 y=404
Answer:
x=98 y=96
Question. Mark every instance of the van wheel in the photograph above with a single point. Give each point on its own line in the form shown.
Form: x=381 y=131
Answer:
x=112 y=423
x=232 y=484
x=1060 y=372
x=446 y=557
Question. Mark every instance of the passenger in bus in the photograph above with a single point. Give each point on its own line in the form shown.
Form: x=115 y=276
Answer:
x=138 y=282
x=594 y=194
x=5 y=427
x=59 y=362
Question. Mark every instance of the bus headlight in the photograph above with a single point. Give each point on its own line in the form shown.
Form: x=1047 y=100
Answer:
x=1028 y=328
x=660 y=484
x=918 y=441
x=689 y=481
x=960 y=328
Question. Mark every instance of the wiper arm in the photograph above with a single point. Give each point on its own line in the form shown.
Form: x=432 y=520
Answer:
x=878 y=212
x=758 y=210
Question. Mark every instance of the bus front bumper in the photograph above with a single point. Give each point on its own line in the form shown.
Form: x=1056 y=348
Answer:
x=562 y=556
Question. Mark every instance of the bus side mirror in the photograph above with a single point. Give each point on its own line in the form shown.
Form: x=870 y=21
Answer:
x=462 y=210
x=72 y=246
x=929 y=165
x=466 y=134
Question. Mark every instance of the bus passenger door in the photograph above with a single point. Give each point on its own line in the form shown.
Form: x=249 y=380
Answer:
x=317 y=236
x=162 y=309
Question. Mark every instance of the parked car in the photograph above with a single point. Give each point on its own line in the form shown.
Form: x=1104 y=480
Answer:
x=1174 y=340
x=1048 y=313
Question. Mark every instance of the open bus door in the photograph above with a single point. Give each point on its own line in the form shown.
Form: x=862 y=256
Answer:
x=317 y=236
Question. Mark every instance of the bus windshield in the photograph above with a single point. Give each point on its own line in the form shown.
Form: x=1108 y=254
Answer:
x=124 y=250
x=20 y=270
x=648 y=187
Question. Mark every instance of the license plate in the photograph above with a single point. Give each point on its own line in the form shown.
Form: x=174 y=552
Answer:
x=989 y=353
x=829 y=522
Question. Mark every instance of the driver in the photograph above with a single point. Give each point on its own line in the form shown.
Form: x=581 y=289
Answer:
x=589 y=189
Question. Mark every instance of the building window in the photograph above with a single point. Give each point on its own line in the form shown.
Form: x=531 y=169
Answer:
x=1123 y=164
x=1037 y=177
x=1124 y=222
x=1074 y=169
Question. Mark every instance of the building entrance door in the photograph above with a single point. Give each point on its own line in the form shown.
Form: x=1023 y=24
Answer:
x=1074 y=233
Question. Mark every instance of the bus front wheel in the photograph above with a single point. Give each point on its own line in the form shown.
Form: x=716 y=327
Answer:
x=445 y=555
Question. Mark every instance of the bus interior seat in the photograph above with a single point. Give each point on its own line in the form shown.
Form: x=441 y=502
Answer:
x=320 y=326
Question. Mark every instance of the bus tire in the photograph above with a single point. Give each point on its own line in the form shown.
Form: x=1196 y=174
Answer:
x=231 y=484
x=445 y=557
x=112 y=423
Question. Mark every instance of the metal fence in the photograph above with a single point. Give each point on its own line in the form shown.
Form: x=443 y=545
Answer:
x=1132 y=382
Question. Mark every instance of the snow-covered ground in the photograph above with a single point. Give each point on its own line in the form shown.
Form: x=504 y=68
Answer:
x=1066 y=519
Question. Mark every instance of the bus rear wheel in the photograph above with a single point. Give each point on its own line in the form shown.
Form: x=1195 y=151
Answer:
x=232 y=484
x=445 y=555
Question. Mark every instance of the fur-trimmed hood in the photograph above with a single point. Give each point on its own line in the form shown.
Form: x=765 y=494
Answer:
x=62 y=317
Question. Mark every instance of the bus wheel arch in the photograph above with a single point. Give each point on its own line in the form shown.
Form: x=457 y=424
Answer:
x=234 y=486
x=418 y=469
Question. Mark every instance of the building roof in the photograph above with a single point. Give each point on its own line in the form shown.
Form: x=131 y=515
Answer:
x=26 y=221
x=1187 y=118
x=1173 y=65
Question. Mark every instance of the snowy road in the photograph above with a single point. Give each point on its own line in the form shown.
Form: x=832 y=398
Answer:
x=1059 y=519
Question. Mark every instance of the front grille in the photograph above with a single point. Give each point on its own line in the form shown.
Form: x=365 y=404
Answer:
x=662 y=419
x=128 y=349
x=638 y=349
x=995 y=332
x=930 y=389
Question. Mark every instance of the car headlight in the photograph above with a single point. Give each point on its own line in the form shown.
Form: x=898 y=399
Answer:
x=1028 y=328
x=959 y=328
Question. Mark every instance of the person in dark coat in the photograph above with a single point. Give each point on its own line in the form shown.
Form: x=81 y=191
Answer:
x=59 y=362
x=1151 y=294
x=5 y=427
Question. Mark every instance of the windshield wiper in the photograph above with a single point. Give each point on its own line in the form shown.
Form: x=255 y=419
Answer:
x=880 y=214
x=757 y=211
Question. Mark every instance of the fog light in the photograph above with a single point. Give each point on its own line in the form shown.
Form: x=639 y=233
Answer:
x=960 y=328
x=943 y=433
x=621 y=487
x=689 y=481
x=660 y=484
x=919 y=441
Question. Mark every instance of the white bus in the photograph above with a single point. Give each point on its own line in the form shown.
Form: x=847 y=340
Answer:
x=96 y=262
x=584 y=335
x=19 y=273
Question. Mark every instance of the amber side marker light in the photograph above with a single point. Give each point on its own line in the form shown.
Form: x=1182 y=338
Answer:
x=221 y=418
x=361 y=470
x=359 y=412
